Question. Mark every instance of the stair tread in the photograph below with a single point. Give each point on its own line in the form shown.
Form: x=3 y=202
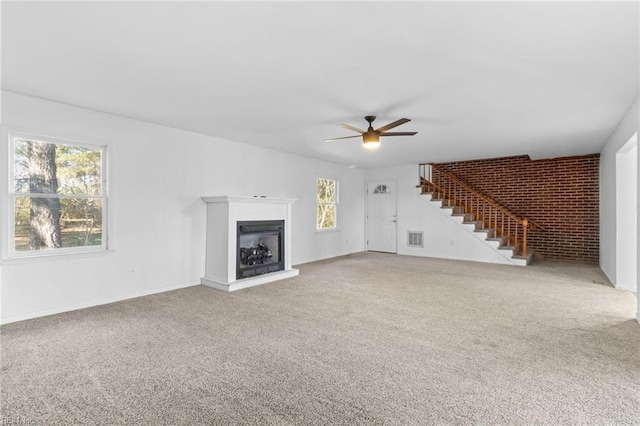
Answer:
x=528 y=257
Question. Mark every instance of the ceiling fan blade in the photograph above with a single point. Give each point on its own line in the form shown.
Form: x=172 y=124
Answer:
x=344 y=137
x=399 y=134
x=348 y=127
x=392 y=125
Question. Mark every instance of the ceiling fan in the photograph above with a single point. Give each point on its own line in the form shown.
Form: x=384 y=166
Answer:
x=371 y=137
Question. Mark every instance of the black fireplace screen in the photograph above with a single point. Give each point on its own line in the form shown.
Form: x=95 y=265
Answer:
x=260 y=248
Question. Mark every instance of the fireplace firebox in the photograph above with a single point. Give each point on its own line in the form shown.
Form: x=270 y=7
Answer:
x=260 y=248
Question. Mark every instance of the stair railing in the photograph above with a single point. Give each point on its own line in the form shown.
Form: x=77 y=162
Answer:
x=447 y=186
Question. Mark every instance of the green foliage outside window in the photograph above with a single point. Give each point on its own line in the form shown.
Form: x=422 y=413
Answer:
x=58 y=195
x=327 y=199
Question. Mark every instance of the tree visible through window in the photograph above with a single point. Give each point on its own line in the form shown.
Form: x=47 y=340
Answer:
x=58 y=197
x=327 y=200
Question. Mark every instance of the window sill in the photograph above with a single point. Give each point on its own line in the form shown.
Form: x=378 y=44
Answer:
x=47 y=257
x=322 y=231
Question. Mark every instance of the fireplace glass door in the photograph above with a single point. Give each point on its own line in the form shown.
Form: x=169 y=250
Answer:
x=260 y=248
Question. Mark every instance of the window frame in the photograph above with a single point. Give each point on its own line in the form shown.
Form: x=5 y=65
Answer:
x=335 y=203
x=9 y=251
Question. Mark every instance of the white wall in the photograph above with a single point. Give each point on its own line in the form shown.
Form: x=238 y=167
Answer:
x=158 y=175
x=625 y=130
x=443 y=238
x=626 y=215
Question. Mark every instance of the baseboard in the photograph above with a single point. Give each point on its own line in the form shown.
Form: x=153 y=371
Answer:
x=59 y=310
x=625 y=287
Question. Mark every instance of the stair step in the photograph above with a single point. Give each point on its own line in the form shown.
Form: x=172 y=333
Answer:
x=517 y=256
x=527 y=259
x=465 y=214
x=490 y=233
x=501 y=239
x=487 y=230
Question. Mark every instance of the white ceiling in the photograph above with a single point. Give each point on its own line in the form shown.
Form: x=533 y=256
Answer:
x=477 y=79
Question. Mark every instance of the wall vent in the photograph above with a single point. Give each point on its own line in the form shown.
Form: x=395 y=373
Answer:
x=415 y=239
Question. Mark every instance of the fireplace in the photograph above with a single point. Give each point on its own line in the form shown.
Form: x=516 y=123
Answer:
x=260 y=248
x=248 y=241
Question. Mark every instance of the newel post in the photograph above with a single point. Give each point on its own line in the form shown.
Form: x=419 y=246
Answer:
x=524 y=237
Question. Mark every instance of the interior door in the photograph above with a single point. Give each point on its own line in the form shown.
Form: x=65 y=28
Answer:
x=381 y=216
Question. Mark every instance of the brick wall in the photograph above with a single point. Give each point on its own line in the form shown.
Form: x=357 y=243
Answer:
x=560 y=194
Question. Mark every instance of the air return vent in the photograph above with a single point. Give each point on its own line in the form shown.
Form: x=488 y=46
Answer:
x=415 y=239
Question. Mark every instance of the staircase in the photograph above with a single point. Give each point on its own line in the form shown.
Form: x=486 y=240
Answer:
x=502 y=230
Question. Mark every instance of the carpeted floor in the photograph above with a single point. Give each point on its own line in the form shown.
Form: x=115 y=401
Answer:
x=369 y=338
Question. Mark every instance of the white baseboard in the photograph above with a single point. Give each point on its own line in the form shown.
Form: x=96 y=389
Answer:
x=58 y=310
x=625 y=287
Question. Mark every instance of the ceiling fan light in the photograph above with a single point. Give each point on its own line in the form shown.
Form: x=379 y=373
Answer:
x=371 y=140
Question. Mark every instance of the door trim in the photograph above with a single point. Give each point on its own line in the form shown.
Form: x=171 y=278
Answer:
x=366 y=209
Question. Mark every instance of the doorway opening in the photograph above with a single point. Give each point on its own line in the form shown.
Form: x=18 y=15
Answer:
x=627 y=216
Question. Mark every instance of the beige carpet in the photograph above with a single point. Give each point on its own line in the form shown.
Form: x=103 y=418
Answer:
x=363 y=339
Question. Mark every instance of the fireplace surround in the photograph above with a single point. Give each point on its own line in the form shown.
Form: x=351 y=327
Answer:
x=248 y=241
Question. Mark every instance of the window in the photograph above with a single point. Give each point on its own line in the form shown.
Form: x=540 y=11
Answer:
x=327 y=200
x=57 y=195
x=382 y=189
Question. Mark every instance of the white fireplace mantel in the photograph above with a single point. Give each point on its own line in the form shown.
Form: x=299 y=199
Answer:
x=223 y=213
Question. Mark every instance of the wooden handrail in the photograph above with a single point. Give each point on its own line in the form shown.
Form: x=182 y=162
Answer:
x=488 y=210
x=488 y=200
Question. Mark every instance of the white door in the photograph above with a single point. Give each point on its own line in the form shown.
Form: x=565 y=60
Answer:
x=381 y=216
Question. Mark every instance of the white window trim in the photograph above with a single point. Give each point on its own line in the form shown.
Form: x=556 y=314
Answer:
x=337 y=222
x=8 y=252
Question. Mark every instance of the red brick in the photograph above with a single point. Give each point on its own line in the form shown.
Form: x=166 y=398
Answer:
x=560 y=194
